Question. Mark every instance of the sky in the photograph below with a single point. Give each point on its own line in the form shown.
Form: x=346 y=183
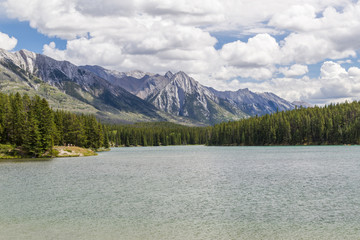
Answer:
x=301 y=50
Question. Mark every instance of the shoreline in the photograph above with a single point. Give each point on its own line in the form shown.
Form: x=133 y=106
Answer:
x=8 y=152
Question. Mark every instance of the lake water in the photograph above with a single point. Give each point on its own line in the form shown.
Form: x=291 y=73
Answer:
x=185 y=192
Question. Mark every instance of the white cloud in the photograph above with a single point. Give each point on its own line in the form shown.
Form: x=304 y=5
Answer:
x=159 y=35
x=294 y=70
x=335 y=84
x=332 y=70
x=354 y=72
x=261 y=50
x=296 y=18
x=310 y=49
x=333 y=35
x=6 y=42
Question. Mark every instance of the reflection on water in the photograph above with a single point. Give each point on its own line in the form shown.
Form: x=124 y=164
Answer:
x=191 y=192
x=22 y=160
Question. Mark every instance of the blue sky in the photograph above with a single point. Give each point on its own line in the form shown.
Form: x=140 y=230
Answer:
x=301 y=50
x=28 y=38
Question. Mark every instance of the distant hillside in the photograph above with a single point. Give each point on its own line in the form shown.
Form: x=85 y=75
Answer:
x=129 y=97
x=68 y=87
x=302 y=104
x=255 y=103
x=179 y=94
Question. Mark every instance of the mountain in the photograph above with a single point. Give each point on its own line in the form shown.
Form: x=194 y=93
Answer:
x=255 y=103
x=178 y=94
x=136 y=82
x=64 y=83
x=13 y=79
x=302 y=104
x=129 y=96
x=183 y=96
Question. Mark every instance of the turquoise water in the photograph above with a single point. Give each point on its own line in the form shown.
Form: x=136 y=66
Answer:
x=185 y=192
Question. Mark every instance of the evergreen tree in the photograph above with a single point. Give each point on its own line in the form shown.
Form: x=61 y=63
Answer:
x=30 y=123
x=32 y=140
x=45 y=119
x=16 y=120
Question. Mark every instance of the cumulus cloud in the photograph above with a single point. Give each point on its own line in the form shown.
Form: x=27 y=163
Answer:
x=297 y=18
x=6 y=42
x=158 y=35
x=354 y=72
x=261 y=50
x=333 y=35
x=294 y=70
x=335 y=84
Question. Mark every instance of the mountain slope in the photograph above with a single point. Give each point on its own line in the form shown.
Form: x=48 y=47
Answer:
x=183 y=96
x=176 y=94
x=255 y=103
x=110 y=102
x=136 y=82
x=129 y=97
x=129 y=81
x=14 y=79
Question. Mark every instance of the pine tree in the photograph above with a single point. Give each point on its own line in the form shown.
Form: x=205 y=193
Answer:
x=16 y=120
x=32 y=141
x=45 y=119
x=106 y=138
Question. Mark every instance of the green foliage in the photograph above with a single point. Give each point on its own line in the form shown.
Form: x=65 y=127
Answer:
x=156 y=134
x=34 y=128
x=333 y=124
x=32 y=140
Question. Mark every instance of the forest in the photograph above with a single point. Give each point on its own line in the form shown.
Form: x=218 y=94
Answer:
x=328 y=125
x=157 y=134
x=34 y=128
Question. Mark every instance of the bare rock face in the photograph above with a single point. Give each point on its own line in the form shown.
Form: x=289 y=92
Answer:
x=183 y=96
x=176 y=94
x=255 y=103
x=23 y=58
x=180 y=95
x=181 y=92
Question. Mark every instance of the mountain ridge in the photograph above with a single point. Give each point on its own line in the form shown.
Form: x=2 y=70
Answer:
x=80 y=84
x=242 y=102
x=133 y=96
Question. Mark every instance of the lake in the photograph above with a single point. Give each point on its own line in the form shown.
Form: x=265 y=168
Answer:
x=185 y=192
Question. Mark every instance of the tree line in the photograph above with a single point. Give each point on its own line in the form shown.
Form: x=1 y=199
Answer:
x=156 y=134
x=32 y=126
x=35 y=128
x=328 y=125
x=332 y=124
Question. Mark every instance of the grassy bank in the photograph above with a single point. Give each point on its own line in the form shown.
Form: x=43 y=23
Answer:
x=64 y=151
x=8 y=151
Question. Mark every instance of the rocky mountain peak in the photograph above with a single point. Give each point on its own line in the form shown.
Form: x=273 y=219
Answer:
x=169 y=74
x=185 y=82
x=23 y=59
x=27 y=54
